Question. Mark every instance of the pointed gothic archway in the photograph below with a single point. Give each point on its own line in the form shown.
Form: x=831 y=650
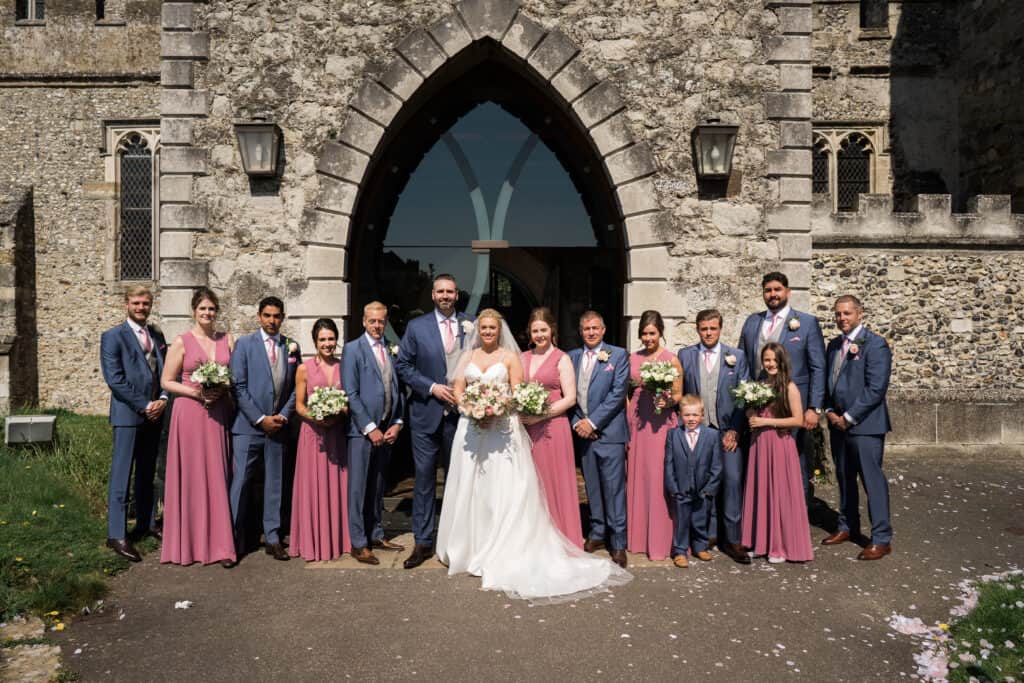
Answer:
x=485 y=51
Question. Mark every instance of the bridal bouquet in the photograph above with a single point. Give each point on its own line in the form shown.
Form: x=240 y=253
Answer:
x=211 y=374
x=326 y=402
x=749 y=394
x=657 y=377
x=482 y=400
x=530 y=398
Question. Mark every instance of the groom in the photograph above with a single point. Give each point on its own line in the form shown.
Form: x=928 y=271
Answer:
x=427 y=358
x=599 y=425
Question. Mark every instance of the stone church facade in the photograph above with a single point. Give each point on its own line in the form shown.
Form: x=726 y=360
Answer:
x=879 y=152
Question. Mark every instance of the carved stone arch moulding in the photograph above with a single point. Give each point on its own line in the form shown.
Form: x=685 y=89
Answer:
x=546 y=55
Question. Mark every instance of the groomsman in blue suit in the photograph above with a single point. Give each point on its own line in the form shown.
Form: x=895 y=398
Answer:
x=263 y=373
x=427 y=358
x=132 y=358
x=375 y=418
x=601 y=434
x=801 y=335
x=859 y=365
x=710 y=370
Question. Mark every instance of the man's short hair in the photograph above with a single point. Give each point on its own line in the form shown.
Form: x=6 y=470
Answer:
x=775 y=276
x=709 y=314
x=444 y=276
x=137 y=290
x=590 y=315
x=375 y=306
x=271 y=301
x=849 y=299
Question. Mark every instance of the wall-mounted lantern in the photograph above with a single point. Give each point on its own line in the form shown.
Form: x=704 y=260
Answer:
x=258 y=141
x=713 y=143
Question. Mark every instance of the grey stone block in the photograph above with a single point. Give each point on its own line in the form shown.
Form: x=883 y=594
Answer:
x=183 y=160
x=401 y=79
x=792 y=162
x=175 y=245
x=599 y=103
x=933 y=205
x=177 y=73
x=184 y=273
x=795 y=76
x=488 y=18
x=183 y=103
x=321 y=227
x=361 y=133
x=336 y=195
x=611 y=135
x=788 y=49
x=376 y=102
x=421 y=51
x=788 y=105
x=342 y=162
x=574 y=80
x=648 y=229
x=552 y=54
x=176 y=131
x=451 y=35
x=630 y=163
x=194 y=45
x=790 y=218
x=796 y=134
x=183 y=217
x=975 y=423
x=637 y=197
x=875 y=206
x=177 y=189
x=794 y=246
x=523 y=36
x=995 y=205
x=795 y=20
x=795 y=189
x=177 y=15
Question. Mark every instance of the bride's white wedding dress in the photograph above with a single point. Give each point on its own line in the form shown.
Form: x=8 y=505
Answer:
x=495 y=523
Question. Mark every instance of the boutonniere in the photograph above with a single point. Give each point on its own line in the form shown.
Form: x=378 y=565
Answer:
x=794 y=323
x=467 y=327
x=393 y=348
x=603 y=356
x=855 y=346
x=730 y=360
x=292 y=346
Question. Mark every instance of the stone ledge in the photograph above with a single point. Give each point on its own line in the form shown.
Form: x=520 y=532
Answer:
x=927 y=423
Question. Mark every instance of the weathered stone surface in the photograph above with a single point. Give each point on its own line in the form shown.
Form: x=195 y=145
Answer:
x=321 y=227
x=597 y=104
x=194 y=45
x=376 y=103
x=789 y=162
x=422 y=52
x=175 y=245
x=612 y=135
x=523 y=36
x=637 y=197
x=451 y=35
x=794 y=246
x=178 y=15
x=655 y=295
x=790 y=218
x=336 y=195
x=789 y=105
x=361 y=133
x=184 y=103
x=401 y=79
x=795 y=20
x=184 y=273
x=788 y=49
x=176 y=189
x=648 y=229
x=183 y=217
x=342 y=162
x=574 y=80
x=183 y=160
x=793 y=189
x=552 y=54
x=177 y=74
x=322 y=298
x=488 y=18
x=977 y=427
x=177 y=131
x=795 y=77
x=644 y=261
x=736 y=219
x=630 y=163
x=795 y=134
x=324 y=262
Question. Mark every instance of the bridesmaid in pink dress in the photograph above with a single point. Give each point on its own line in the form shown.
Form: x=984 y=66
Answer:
x=319 y=529
x=551 y=435
x=648 y=524
x=774 y=512
x=197 y=514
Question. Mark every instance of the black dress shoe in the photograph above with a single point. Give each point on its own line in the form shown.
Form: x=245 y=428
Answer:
x=420 y=554
x=593 y=544
x=124 y=548
x=277 y=551
x=619 y=558
x=229 y=564
x=735 y=552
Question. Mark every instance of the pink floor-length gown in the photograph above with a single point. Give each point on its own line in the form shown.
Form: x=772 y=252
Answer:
x=648 y=523
x=553 y=454
x=197 y=513
x=774 y=511
x=319 y=528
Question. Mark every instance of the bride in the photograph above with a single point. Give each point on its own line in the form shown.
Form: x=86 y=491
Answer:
x=494 y=520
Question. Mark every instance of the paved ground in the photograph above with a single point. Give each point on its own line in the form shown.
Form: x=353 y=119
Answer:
x=825 y=620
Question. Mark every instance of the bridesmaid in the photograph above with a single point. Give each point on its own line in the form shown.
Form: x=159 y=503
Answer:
x=648 y=524
x=197 y=514
x=774 y=513
x=553 y=454
x=320 y=490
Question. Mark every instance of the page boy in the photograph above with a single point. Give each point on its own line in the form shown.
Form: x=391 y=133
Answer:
x=693 y=470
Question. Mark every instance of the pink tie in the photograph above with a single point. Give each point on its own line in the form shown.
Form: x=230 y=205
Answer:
x=707 y=360
x=692 y=436
x=272 y=351
x=449 y=336
x=846 y=346
x=147 y=345
x=588 y=362
x=380 y=354
x=771 y=325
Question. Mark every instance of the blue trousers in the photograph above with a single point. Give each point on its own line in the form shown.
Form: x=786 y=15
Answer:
x=249 y=449
x=428 y=448
x=861 y=454
x=366 y=466
x=604 y=474
x=729 y=500
x=690 y=523
x=134 y=448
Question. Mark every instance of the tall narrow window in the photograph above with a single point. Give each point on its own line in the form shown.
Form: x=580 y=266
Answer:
x=101 y=10
x=853 y=171
x=29 y=10
x=874 y=14
x=819 y=167
x=136 y=225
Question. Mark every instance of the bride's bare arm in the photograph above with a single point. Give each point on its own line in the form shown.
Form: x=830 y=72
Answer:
x=515 y=369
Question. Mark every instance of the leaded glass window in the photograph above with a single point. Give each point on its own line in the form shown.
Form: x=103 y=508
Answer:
x=136 y=212
x=853 y=171
x=819 y=167
x=29 y=10
x=874 y=14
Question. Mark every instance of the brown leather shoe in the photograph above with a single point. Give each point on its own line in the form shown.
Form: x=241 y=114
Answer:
x=420 y=554
x=365 y=555
x=619 y=558
x=277 y=551
x=681 y=561
x=385 y=544
x=593 y=544
x=124 y=548
x=703 y=555
x=836 y=538
x=874 y=552
x=736 y=553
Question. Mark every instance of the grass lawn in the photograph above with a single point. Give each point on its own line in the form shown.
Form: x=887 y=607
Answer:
x=988 y=644
x=52 y=520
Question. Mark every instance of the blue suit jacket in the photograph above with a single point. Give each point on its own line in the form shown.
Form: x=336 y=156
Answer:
x=421 y=363
x=128 y=375
x=806 y=348
x=606 y=396
x=729 y=416
x=689 y=474
x=254 y=385
x=364 y=384
x=863 y=381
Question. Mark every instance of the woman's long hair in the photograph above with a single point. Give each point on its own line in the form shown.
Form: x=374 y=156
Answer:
x=780 y=381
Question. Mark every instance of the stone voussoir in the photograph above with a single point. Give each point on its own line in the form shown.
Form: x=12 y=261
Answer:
x=598 y=103
x=422 y=52
x=574 y=80
x=321 y=227
x=637 y=197
x=360 y=132
x=488 y=18
x=336 y=195
x=451 y=34
x=342 y=162
x=376 y=102
x=401 y=79
x=612 y=135
x=630 y=163
x=552 y=54
x=523 y=36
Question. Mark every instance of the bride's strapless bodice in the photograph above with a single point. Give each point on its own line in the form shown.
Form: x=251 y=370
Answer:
x=474 y=374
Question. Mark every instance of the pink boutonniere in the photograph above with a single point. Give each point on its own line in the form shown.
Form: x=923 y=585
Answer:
x=854 y=350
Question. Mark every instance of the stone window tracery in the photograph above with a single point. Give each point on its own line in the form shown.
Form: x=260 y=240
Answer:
x=849 y=160
x=132 y=171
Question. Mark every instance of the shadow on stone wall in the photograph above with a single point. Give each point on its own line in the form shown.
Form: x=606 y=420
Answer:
x=19 y=378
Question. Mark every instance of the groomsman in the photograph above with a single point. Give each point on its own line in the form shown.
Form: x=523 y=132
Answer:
x=375 y=419
x=710 y=370
x=601 y=434
x=132 y=358
x=801 y=335
x=263 y=371
x=859 y=365
x=427 y=358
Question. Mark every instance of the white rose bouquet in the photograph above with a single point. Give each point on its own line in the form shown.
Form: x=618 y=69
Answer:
x=530 y=398
x=749 y=394
x=211 y=374
x=657 y=377
x=326 y=402
x=484 y=400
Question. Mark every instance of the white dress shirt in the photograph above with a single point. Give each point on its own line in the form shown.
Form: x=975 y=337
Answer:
x=783 y=314
x=715 y=350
